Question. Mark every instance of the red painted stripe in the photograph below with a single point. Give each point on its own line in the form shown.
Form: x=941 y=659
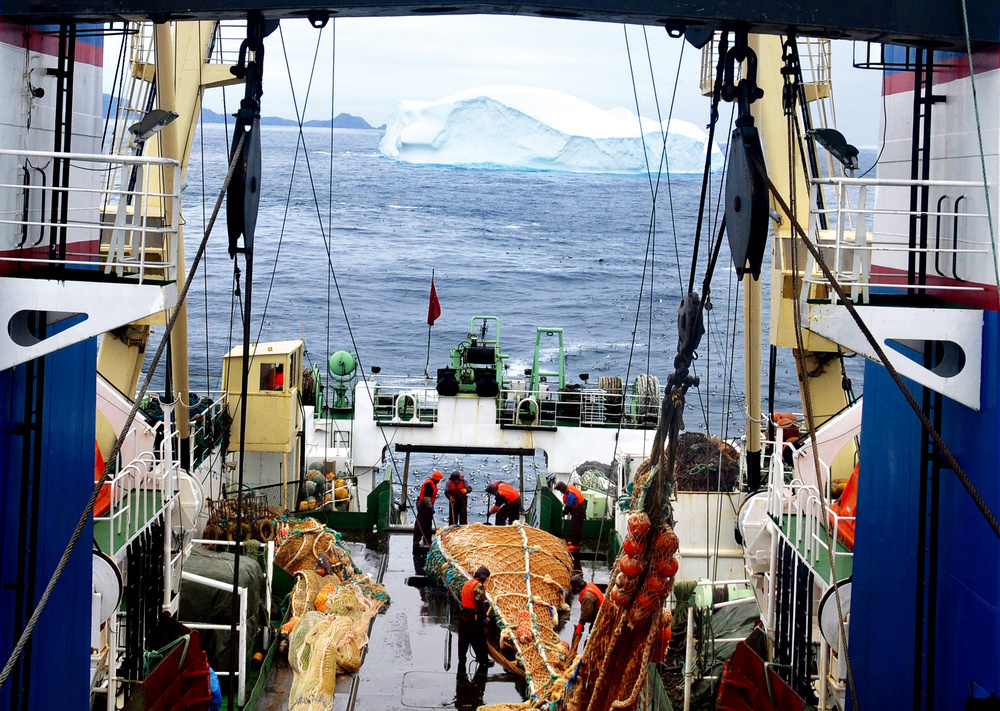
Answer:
x=945 y=70
x=47 y=42
x=77 y=249
x=983 y=297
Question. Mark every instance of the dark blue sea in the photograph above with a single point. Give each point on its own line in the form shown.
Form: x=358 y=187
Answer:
x=345 y=248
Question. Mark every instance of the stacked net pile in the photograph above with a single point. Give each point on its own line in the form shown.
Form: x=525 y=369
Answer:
x=705 y=463
x=331 y=613
x=530 y=573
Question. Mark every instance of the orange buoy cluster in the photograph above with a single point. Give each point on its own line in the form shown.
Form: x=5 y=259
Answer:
x=323 y=598
x=658 y=562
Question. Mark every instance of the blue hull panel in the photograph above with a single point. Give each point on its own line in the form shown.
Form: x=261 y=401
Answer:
x=60 y=646
x=884 y=595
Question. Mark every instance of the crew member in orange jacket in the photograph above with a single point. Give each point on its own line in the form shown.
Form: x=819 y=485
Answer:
x=591 y=598
x=423 y=528
x=472 y=619
x=508 y=503
x=457 y=492
x=576 y=506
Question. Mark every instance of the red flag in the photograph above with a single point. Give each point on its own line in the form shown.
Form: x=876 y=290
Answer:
x=434 y=307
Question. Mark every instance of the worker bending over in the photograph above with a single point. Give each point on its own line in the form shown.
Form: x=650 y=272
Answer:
x=591 y=599
x=508 y=502
x=472 y=620
x=576 y=507
x=423 y=529
x=457 y=492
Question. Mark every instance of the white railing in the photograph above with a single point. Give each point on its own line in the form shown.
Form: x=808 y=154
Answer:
x=804 y=505
x=856 y=231
x=128 y=227
x=586 y=406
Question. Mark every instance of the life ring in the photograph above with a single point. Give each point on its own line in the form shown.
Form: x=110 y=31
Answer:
x=265 y=529
x=244 y=530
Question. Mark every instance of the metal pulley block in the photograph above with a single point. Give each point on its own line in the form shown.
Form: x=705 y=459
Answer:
x=747 y=205
x=243 y=196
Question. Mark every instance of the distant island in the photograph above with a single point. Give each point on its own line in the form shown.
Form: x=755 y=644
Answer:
x=341 y=120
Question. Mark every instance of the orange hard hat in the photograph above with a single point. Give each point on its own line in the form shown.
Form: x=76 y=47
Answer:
x=437 y=476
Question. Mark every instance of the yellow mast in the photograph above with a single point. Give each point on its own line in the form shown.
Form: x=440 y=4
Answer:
x=823 y=371
x=182 y=72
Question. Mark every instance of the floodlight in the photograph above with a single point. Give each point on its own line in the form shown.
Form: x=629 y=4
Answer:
x=151 y=124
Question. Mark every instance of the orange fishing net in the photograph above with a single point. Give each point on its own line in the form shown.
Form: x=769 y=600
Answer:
x=530 y=572
x=331 y=613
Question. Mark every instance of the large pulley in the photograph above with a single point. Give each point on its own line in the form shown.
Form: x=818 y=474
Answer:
x=243 y=196
x=747 y=206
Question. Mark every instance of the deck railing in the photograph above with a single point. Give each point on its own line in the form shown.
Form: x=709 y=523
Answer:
x=810 y=513
x=573 y=407
x=853 y=234
x=126 y=227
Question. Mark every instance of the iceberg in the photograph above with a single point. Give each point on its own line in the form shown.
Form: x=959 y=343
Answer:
x=539 y=129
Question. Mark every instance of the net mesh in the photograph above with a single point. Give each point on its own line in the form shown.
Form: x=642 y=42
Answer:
x=530 y=573
x=331 y=613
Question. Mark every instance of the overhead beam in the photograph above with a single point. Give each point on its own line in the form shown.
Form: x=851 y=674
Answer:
x=911 y=22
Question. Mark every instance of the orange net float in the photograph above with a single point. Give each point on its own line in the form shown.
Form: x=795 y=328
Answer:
x=666 y=543
x=290 y=625
x=662 y=643
x=666 y=567
x=658 y=585
x=630 y=566
x=633 y=546
x=639 y=525
x=617 y=597
x=643 y=606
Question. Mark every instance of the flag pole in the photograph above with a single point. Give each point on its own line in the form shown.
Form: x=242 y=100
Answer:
x=430 y=324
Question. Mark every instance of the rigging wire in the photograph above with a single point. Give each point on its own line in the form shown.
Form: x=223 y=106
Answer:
x=204 y=216
x=329 y=257
x=113 y=456
x=300 y=142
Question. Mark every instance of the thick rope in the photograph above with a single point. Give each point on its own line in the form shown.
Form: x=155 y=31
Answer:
x=112 y=457
x=946 y=453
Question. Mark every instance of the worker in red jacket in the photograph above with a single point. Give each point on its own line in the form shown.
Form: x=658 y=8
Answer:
x=508 y=502
x=591 y=598
x=423 y=528
x=457 y=492
x=472 y=619
x=576 y=507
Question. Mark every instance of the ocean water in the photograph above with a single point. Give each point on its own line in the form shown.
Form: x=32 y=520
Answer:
x=345 y=262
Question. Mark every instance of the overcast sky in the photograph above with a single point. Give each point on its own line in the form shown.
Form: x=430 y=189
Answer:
x=379 y=61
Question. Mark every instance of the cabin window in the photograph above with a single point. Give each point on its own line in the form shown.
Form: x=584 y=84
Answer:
x=272 y=377
x=293 y=374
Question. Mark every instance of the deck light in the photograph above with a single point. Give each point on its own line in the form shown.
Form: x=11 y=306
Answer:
x=151 y=123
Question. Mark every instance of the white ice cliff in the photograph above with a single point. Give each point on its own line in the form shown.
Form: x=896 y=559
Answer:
x=521 y=127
